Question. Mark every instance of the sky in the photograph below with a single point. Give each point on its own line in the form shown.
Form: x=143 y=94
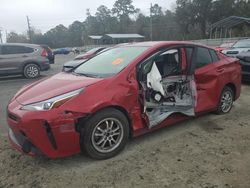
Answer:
x=46 y=14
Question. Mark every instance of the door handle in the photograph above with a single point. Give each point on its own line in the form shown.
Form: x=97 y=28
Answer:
x=220 y=70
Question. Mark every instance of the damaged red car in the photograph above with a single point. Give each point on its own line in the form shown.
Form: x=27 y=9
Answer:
x=124 y=92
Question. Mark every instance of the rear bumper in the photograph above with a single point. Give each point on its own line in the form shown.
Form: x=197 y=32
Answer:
x=45 y=66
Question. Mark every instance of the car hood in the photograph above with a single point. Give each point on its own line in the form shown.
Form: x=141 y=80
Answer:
x=56 y=85
x=74 y=63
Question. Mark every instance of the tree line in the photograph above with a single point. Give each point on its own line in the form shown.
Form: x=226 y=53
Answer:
x=189 y=20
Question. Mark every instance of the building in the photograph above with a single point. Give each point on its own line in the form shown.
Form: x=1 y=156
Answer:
x=116 y=38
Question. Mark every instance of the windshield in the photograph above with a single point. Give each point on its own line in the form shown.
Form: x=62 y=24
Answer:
x=242 y=44
x=109 y=62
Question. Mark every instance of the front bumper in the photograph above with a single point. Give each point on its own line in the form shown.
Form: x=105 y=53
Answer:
x=52 y=133
x=245 y=70
x=22 y=144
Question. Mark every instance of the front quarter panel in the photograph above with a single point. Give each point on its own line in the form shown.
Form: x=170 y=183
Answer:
x=112 y=92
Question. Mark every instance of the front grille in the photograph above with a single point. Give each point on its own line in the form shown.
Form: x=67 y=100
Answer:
x=245 y=68
x=12 y=116
x=232 y=52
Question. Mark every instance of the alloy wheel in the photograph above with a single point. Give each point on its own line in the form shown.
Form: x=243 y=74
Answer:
x=107 y=135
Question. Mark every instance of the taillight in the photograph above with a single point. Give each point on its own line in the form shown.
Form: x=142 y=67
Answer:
x=44 y=53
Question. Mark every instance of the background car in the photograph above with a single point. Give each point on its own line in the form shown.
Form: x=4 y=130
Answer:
x=82 y=58
x=245 y=64
x=224 y=46
x=89 y=54
x=237 y=48
x=63 y=51
x=26 y=59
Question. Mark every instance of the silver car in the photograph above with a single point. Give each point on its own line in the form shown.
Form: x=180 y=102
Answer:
x=239 y=47
x=26 y=59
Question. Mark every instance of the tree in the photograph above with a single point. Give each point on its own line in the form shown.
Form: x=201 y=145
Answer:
x=17 y=38
x=185 y=16
x=123 y=9
x=156 y=10
x=103 y=16
x=75 y=34
x=202 y=11
x=58 y=36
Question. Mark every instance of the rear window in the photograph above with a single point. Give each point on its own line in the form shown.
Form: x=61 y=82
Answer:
x=6 y=50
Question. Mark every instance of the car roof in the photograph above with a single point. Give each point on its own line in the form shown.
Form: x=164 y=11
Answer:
x=21 y=44
x=158 y=44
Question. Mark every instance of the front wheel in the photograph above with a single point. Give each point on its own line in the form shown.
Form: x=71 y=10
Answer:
x=31 y=71
x=105 y=134
x=226 y=101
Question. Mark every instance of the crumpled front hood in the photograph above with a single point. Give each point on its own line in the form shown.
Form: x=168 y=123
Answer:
x=56 y=85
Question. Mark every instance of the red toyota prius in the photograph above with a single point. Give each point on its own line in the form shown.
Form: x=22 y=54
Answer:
x=124 y=92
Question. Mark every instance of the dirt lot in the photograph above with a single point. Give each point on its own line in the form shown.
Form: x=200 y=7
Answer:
x=208 y=152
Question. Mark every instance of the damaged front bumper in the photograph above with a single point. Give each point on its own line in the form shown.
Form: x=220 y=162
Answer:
x=51 y=133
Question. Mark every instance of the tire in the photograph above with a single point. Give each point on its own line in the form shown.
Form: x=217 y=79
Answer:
x=226 y=101
x=31 y=71
x=102 y=139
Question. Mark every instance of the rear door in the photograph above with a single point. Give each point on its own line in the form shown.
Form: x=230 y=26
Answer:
x=209 y=72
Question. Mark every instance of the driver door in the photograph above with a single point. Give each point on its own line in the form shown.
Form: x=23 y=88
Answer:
x=166 y=85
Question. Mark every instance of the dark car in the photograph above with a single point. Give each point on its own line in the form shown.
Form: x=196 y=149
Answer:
x=121 y=93
x=26 y=59
x=82 y=58
x=245 y=64
x=63 y=51
x=89 y=54
x=50 y=53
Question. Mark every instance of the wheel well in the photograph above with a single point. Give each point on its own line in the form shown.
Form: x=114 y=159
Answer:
x=232 y=86
x=121 y=109
x=124 y=111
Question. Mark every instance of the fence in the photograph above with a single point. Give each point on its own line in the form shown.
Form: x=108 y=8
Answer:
x=218 y=42
x=208 y=42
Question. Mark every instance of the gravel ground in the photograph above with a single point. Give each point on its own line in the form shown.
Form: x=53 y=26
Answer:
x=208 y=152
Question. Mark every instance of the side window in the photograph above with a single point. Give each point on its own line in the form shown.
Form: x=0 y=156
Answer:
x=16 y=50
x=214 y=55
x=203 y=57
x=169 y=62
x=189 y=54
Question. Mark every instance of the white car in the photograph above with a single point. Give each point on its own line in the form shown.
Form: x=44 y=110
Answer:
x=239 y=47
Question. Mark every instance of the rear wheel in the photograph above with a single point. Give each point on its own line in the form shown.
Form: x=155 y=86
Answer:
x=226 y=101
x=105 y=134
x=31 y=71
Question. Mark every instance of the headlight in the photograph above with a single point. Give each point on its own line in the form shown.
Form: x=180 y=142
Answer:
x=53 y=102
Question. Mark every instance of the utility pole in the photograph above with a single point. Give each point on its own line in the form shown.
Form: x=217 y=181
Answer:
x=6 y=35
x=1 y=39
x=29 y=29
x=151 y=23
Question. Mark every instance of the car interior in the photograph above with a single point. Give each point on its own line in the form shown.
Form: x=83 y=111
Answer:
x=167 y=89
